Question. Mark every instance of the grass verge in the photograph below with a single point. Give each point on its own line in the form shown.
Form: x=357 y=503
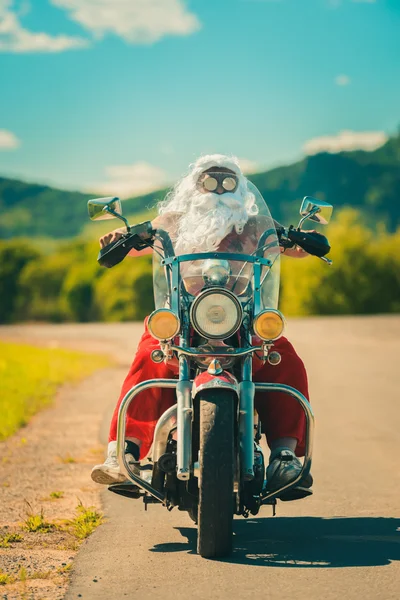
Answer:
x=30 y=377
x=6 y=578
x=37 y=523
x=10 y=538
x=86 y=520
x=38 y=532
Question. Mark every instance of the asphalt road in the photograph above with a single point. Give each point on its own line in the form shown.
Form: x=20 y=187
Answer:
x=343 y=542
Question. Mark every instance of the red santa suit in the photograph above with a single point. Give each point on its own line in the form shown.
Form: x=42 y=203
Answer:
x=280 y=414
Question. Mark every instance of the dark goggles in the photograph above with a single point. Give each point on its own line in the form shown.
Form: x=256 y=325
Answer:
x=210 y=182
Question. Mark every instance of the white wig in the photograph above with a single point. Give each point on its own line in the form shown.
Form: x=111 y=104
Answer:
x=177 y=198
x=208 y=217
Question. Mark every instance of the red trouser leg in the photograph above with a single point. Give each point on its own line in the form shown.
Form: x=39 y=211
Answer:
x=280 y=414
x=147 y=407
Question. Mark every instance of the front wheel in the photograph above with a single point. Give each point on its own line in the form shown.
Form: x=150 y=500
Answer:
x=216 y=472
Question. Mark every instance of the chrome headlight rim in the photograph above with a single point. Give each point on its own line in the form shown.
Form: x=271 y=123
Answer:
x=274 y=311
x=198 y=300
x=168 y=311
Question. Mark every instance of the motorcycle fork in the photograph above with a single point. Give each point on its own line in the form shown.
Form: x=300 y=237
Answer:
x=184 y=421
x=246 y=421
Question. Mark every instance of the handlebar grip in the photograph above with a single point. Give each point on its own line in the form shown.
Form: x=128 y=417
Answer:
x=114 y=253
x=314 y=243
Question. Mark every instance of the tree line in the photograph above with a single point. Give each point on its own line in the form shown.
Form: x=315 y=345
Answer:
x=69 y=285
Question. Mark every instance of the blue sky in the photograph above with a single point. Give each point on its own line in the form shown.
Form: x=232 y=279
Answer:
x=120 y=96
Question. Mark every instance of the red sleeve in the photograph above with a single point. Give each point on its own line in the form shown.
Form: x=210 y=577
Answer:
x=134 y=252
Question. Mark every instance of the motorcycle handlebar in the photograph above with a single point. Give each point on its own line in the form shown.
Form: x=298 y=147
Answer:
x=114 y=253
x=312 y=242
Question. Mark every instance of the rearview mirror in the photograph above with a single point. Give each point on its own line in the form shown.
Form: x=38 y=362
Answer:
x=315 y=210
x=104 y=208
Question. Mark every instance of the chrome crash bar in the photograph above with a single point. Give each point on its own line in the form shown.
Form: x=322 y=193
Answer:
x=305 y=405
x=170 y=419
x=127 y=399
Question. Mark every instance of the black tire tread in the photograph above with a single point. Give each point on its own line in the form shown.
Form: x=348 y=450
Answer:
x=215 y=513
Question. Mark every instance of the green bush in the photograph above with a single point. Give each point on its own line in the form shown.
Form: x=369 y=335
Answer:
x=40 y=284
x=364 y=277
x=14 y=256
x=69 y=285
x=125 y=292
x=78 y=291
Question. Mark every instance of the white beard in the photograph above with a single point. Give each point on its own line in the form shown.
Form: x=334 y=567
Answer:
x=205 y=219
x=208 y=220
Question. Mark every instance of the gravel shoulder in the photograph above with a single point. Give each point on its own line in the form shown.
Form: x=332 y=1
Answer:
x=53 y=454
x=45 y=467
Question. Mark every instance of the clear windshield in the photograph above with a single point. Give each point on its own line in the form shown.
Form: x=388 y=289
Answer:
x=258 y=238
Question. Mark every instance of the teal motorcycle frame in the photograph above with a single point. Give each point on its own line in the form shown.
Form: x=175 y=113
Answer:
x=187 y=389
x=214 y=368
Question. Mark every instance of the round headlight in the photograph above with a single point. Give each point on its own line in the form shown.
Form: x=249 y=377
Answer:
x=269 y=325
x=163 y=324
x=216 y=314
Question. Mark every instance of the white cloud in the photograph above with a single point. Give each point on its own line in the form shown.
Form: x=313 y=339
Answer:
x=125 y=181
x=342 y=80
x=24 y=7
x=136 y=21
x=346 y=140
x=15 y=38
x=8 y=140
x=248 y=166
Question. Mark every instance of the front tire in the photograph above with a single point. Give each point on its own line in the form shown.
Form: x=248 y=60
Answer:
x=216 y=474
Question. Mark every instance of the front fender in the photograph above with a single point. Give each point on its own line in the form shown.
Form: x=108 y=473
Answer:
x=206 y=381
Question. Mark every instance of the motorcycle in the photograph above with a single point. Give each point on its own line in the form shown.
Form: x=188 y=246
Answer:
x=213 y=312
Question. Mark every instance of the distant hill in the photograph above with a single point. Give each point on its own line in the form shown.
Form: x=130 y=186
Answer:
x=37 y=210
x=369 y=181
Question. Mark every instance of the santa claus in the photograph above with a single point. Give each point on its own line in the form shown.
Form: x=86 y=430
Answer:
x=208 y=206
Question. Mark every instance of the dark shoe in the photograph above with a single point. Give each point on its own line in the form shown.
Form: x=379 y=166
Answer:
x=283 y=468
x=132 y=454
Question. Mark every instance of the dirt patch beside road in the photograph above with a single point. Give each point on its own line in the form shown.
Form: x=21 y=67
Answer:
x=45 y=467
x=45 y=470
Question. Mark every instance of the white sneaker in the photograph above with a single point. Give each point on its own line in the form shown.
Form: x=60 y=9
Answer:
x=109 y=472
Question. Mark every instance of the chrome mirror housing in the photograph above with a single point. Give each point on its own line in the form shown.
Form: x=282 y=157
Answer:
x=315 y=210
x=104 y=208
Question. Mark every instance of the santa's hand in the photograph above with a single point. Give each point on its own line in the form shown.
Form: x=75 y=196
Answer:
x=111 y=237
x=295 y=252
